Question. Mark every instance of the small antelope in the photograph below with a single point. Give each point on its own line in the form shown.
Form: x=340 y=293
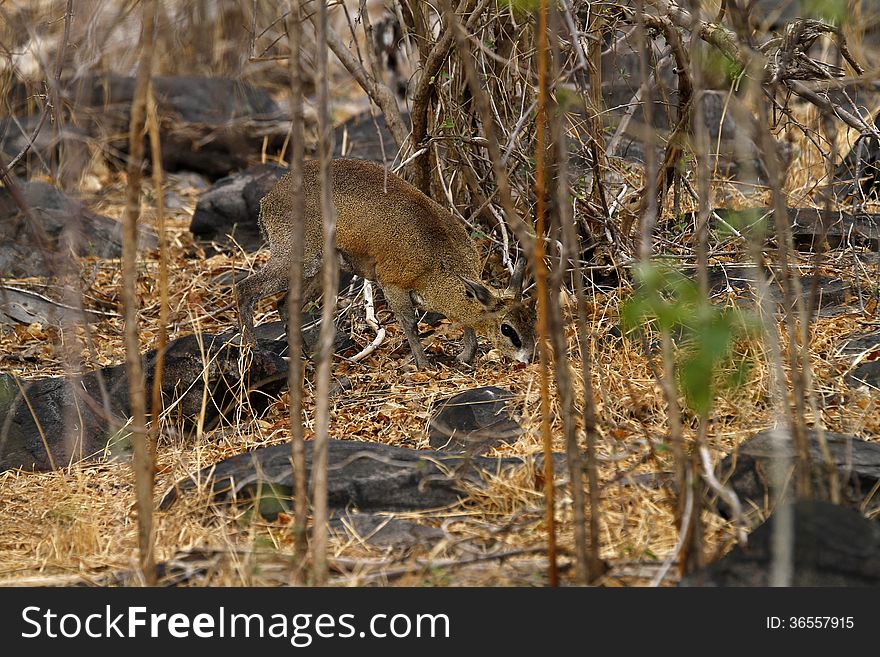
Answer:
x=416 y=251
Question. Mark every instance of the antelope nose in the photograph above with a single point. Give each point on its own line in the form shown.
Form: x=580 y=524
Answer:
x=525 y=355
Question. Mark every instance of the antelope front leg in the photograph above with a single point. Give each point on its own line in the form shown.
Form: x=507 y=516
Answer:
x=469 y=345
x=271 y=279
x=405 y=312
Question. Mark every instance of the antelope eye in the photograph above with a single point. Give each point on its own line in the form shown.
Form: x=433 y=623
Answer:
x=510 y=333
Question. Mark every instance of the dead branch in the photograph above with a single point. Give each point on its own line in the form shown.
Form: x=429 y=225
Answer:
x=329 y=277
x=295 y=295
x=378 y=92
x=143 y=467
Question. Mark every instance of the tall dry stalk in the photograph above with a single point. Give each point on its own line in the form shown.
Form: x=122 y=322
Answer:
x=782 y=539
x=564 y=385
x=433 y=55
x=650 y=212
x=597 y=11
x=523 y=231
x=830 y=128
x=587 y=547
x=649 y=207
x=704 y=208
x=162 y=338
x=294 y=307
x=143 y=468
x=329 y=276
x=68 y=268
x=539 y=267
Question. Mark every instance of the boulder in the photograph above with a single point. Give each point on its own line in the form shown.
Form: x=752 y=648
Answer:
x=209 y=125
x=359 y=138
x=473 y=421
x=865 y=375
x=369 y=477
x=833 y=546
x=231 y=208
x=44 y=155
x=863 y=352
x=858 y=345
x=831 y=296
x=75 y=421
x=273 y=337
x=858 y=174
x=812 y=229
x=22 y=306
x=64 y=220
x=382 y=530
x=856 y=461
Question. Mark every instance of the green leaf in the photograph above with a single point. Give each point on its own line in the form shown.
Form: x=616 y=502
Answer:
x=524 y=6
x=707 y=333
x=834 y=12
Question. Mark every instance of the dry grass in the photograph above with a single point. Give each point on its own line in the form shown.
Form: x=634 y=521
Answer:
x=77 y=524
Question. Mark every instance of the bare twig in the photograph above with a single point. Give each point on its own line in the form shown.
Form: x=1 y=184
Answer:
x=682 y=535
x=378 y=92
x=295 y=298
x=162 y=339
x=425 y=89
x=329 y=277
x=725 y=493
x=370 y=317
x=539 y=267
x=143 y=469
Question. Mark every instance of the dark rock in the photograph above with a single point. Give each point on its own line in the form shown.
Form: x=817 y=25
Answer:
x=858 y=174
x=384 y=531
x=649 y=480
x=857 y=463
x=188 y=179
x=359 y=138
x=726 y=279
x=829 y=296
x=77 y=424
x=64 y=220
x=191 y=99
x=431 y=318
x=824 y=294
x=45 y=152
x=21 y=306
x=273 y=337
x=869 y=259
x=860 y=344
x=209 y=125
x=833 y=546
x=473 y=421
x=864 y=351
x=232 y=207
x=866 y=374
x=733 y=150
x=362 y=475
x=810 y=227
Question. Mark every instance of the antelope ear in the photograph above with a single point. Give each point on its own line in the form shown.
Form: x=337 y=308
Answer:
x=477 y=291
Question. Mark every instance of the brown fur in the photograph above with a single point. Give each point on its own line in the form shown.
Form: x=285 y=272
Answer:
x=389 y=232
